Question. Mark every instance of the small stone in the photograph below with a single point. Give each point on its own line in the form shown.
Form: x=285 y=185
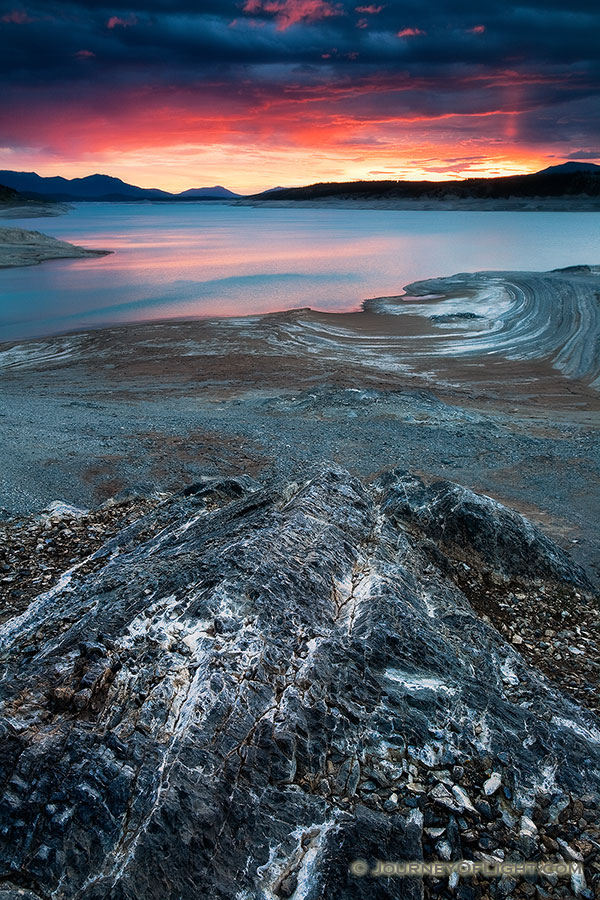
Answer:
x=569 y=851
x=391 y=803
x=463 y=798
x=369 y=786
x=443 y=776
x=491 y=785
x=416 y=787
x=549 y=843
x=484 y=809
x=442 y=796
x=527 y=827
x=434 y=832
x=444 y=850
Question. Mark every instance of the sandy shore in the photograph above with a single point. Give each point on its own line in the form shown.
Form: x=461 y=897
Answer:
x=500 y=400
x=19 y=247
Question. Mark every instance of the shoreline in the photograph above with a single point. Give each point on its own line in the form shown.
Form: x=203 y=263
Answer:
x=539 y=204
x=155 y=405
x=32 y=209
x=21 y=247
x=237 y=546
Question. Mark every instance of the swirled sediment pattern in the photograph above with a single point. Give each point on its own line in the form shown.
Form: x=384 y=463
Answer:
x=515 y=315
x=521 y=315
x=482 y=319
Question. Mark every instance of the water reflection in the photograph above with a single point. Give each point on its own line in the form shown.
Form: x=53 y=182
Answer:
x=213 y=259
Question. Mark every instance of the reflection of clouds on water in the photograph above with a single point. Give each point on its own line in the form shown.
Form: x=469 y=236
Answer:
x=197 y=260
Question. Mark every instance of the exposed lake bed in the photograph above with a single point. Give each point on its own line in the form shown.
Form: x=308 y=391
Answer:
x=21 y=247
x=501 y=400
x=273 y=515
x=487 y=378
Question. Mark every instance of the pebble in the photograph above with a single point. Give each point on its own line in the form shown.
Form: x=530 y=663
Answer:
x=492 y=784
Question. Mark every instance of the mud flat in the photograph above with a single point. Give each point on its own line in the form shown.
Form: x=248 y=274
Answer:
x=20 y=247
x=487 y=379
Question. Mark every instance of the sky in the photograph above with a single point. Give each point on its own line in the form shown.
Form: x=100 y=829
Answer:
x=253 y=94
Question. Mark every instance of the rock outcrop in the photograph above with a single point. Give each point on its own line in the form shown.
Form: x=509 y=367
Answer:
x=20 y=247
x=253 y=686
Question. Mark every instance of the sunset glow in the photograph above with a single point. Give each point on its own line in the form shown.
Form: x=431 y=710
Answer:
x=286 y=92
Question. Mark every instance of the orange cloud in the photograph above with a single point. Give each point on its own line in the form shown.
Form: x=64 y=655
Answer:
x=343 y=128
x=477 y=29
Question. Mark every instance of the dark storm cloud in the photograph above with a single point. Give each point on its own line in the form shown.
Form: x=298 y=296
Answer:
x=40 y=39
x=375 y=59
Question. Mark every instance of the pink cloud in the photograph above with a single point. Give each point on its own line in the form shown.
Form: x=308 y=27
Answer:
x=368 y=10
x=17 y=17
x=362 y=23
x=84 y=54
x=410 y=32
x=118 y=22
x=478 y=29
x=291 y=12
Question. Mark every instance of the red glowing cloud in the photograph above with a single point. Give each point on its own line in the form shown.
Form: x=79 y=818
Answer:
x=292 y=91
x=292 y=12
x=339 y=130
x=410 y=32
x=17 y=17
x=118 y=22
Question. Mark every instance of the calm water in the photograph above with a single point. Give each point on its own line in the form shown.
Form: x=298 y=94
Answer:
x=213 y=259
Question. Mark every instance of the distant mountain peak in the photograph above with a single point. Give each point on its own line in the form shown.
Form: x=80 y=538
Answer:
x=569 y=168
x=100 y=187
x=216 y=191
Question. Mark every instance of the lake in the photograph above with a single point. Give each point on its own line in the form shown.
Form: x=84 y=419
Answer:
x=207 y=259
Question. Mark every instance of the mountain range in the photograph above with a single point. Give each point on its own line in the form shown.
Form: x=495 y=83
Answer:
x=566 y=179
x=571 y=167
x=100 y=187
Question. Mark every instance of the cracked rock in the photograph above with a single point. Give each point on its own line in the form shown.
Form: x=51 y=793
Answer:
x=249 y=686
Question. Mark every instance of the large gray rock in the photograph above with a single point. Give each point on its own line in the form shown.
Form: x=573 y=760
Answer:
x=473 y=525
x=251 y=687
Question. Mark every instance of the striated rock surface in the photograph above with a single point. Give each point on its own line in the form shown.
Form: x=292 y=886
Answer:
x=249 y=687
